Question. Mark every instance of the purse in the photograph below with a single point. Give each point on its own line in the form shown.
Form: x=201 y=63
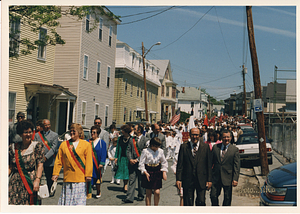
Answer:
x=43 y=191
x=115 y=169
x=53 y=188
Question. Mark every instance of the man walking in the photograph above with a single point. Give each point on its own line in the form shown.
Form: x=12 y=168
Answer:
x=50 y=141
x=13 y=136
x=226 y=169
x=194 y=169
x=156 y=133
x=134 y=151
x=104 y=135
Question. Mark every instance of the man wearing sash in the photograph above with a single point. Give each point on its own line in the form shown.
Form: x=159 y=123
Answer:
x=50 y=141
x=134 y=149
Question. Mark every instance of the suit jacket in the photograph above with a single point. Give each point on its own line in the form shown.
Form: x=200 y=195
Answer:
x=227 y=170
x=191 y=168
x=131 y=154
x=104 y=135
x=142 y=143
x=52 y=139
x=160 y=136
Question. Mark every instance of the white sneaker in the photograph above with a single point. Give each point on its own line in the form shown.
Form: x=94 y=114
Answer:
x=118 y=182
x=98 y=196
x=112 y=182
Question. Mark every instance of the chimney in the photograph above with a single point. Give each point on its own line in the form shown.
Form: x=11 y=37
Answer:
x=183 y=90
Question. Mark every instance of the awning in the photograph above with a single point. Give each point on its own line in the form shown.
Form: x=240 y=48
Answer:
x=31 y=89
x=140 y=109
x=153 y=112
x=167 y=100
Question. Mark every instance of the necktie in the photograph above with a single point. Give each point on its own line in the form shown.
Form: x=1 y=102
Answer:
x=194 y=149
x=223 y=153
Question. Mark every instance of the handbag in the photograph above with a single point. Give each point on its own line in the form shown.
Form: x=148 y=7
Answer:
x=43 y=191
x=53 y=188
x=115 y=169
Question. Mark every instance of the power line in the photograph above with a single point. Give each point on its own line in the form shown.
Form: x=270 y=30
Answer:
x=148 y=16
x=137 y=14
x=224 y=39
x=185 y=32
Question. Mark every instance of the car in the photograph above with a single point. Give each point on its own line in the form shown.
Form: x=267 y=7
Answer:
x=248 y=146
x=280 y=187
x=247 y=129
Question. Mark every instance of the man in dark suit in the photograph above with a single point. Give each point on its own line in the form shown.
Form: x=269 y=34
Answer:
x=50 y=140
x=134 y=172
x=194 y=169
x=226 y=169
x=156 y=133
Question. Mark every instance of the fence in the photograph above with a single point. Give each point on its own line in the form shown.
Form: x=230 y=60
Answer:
x=284 y=136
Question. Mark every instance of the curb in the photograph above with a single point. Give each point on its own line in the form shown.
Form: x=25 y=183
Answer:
x=261 y=179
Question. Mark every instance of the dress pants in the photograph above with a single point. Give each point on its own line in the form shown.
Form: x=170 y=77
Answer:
x=189 y=192
x=215 y=192
x=48 y=173
x=134 y=177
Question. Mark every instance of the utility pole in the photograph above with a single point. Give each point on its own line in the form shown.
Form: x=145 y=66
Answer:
x=145 y=83
x=245 y=102
x=258 y=94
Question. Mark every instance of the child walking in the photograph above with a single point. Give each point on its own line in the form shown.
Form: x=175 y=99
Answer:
x=154 y=167
x=111 y=155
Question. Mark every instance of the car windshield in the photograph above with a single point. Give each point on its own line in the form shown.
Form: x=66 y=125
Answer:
x=253 y=139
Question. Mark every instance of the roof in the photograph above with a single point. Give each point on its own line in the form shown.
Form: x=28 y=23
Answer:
x=162 y=65
x=190 y=93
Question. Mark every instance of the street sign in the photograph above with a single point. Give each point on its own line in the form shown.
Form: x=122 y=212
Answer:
x=257 y=105
x=261 y=140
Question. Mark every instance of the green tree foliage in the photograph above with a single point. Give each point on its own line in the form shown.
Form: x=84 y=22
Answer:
x=36 y=17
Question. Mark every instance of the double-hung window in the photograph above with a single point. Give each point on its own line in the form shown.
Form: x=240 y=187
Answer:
x=98 y=72
x=87 y=23
x=110 y=35
x=100 y=28
x=106 y=116
x=85 y=67
x=83 y=113
x=96 y=110
x=14 y=37
x=12 y=107
x=42 y=44
x=108 y=77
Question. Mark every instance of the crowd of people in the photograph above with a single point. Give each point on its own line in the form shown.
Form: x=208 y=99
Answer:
x=204 y=157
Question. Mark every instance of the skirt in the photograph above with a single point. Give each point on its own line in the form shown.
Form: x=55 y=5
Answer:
x=155 y=177
x=73 y=194
x=123 y=172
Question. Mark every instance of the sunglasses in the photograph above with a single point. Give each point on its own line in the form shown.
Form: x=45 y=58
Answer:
x=96 y=123
x=94 y=132
x=20 y=116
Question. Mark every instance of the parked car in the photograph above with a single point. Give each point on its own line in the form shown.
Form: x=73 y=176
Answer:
x=280 y=188
x=61 y=137
x=248 y=146
x=247 y=129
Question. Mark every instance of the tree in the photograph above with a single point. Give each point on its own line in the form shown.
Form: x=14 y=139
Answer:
x=183 y=116
x=36 y=17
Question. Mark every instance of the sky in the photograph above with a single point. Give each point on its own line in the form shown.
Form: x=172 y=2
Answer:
x=207 y=45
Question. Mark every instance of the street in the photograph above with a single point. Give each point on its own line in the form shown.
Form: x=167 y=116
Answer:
x=245 y=194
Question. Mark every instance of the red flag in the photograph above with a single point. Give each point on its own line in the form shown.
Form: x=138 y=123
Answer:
x=221 y=117
x=212 y=120
x=206 y=119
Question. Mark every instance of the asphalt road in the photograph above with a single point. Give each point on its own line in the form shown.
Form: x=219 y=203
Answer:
x=245 y=194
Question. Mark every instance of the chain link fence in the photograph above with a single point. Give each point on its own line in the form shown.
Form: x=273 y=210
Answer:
x=284 y=139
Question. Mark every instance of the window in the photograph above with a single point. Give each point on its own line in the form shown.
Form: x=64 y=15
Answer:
x=85 y=67
x=192 y=104
x=83 y=113
x=140 y=61
x=42 y=43
x=125 y=86
x=108 y=77
x=162 y=90
x=167 y=91
x=133 y=56
x=110 y=35
x=155 y=97
x=100 y=28
x=98 y=72
x=138 y=90
x=12 y=107
x=96 y=110
x=106 y=116
x=131 y=89
x=124 y=114
x=130 y=115
x=87 y=22
x=14 y=37
x=151 y=96
x=141 y=92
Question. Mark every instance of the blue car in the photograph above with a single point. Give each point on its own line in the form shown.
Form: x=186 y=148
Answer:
x=280 y=188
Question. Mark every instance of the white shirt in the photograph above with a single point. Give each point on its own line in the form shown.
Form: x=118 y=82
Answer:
x=111 y=152
x=148 y=156
x=192 y=145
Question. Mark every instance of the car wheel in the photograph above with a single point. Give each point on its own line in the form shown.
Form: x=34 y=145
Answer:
x=270 y=160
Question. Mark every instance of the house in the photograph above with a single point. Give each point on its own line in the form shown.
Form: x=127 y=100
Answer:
x=31 y=78
x=129 y=97
x=192 y=101
x=86 y=66
x=274 y=97
x=234 y=104
x=167 y=90
x=291 y=96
